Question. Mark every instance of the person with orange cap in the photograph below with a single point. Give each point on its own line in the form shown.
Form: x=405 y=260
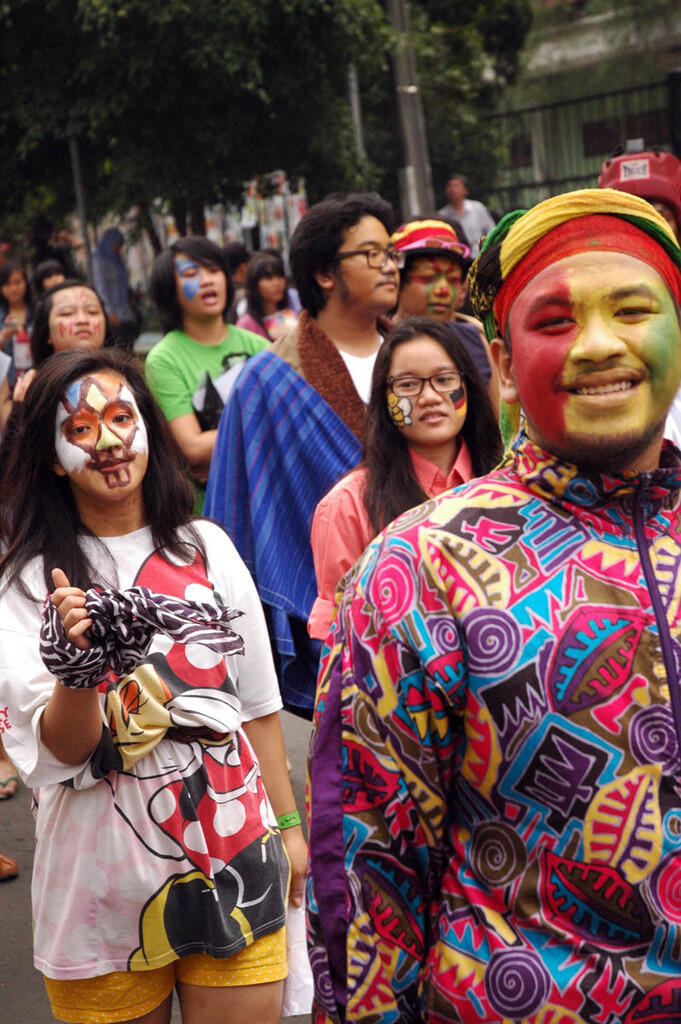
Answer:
x=495 y=769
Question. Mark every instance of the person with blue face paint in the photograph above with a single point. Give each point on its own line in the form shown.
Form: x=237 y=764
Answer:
x=191 y=288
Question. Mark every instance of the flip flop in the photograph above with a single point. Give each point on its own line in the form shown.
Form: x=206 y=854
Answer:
x=8 y=868
x=11 y=780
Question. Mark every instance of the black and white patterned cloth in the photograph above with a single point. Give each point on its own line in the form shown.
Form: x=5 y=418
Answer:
x=124 y=622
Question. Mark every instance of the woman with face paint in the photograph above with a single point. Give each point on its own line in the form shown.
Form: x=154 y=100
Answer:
x=430 y=427
x=141 y=705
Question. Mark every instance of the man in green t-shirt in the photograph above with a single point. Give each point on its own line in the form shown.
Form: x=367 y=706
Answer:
x=190 y=286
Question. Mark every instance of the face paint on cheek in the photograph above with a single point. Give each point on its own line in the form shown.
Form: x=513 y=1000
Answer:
x=190 y=284
x=71 y=458
x=140 y=441
x=458 y=398
x=400 y=410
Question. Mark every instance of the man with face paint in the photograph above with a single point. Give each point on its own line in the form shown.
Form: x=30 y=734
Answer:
x=495 y=776
x=190 y=286
x=294 y=421
x=656 y=177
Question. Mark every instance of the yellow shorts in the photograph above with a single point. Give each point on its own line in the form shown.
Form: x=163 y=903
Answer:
x=124 y=995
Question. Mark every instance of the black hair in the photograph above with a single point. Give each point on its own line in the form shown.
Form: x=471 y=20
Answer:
x=263 y=264
x=41 y=347
x=320 y=233
x=235 y=253
x=40 y=516
x=392 y=486
x=6 y=271
x=163 y=285
x=48 y=268
x=456 y=176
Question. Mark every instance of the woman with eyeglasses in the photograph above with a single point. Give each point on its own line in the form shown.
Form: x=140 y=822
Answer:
x=430 y=427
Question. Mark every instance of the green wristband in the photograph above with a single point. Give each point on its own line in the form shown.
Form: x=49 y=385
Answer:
x=289 y=820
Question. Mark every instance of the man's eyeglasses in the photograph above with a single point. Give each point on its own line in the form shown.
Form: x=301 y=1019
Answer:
x=410 y=387
x=376 y=258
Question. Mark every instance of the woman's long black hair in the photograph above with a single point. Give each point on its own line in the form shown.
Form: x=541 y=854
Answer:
x=263 y=264
x=392 y=486
x=39 y=514
x=41 y=346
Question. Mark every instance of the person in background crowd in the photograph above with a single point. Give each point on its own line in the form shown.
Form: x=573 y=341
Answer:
x=148 y=727
x=16 y=307
x=236 y=259
x=267 y=310
x=430 y=427
x=431 y=283
x=495 y=768
x=112 y=282
x=656 y=177
x=190 y=286
x=45 y=275
x=53 y=243
x=69 y=316
x=474 y=217
x=294 y=421
x=16 y=314
x=651 y=174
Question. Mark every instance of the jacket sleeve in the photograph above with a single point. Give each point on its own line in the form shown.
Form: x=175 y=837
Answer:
x=386 y=729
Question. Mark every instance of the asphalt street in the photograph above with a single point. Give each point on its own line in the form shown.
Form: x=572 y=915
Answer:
x=22 y=995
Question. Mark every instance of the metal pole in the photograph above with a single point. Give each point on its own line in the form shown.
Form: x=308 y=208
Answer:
x=356 y=112
x=80 y=201
x=412 y=123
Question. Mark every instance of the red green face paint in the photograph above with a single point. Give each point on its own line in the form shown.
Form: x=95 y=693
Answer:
x=431 y=287
x=596 y=357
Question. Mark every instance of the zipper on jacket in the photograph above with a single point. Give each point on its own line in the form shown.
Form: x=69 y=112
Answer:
x=658 y=608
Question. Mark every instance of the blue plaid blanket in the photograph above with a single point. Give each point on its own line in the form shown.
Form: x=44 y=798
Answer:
x=280 y=448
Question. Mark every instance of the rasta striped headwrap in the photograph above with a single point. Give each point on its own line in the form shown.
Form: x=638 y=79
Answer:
x=526 y=241
x=430 y=237
x=494 y=274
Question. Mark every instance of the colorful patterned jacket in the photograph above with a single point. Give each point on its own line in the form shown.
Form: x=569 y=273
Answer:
x=495 y=779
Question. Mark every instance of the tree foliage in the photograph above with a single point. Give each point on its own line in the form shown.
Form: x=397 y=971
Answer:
x=185 y=100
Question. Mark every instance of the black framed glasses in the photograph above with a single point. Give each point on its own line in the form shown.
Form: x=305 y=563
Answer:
x=443 y=382
x=376 y=258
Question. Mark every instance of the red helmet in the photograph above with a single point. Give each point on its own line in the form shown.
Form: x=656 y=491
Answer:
x=648 y=174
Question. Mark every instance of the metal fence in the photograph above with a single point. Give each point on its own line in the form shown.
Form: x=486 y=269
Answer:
x=555 y=147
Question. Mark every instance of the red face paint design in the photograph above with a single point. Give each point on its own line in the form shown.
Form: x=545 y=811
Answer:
x=596 y=358
x=99 y=429
x=431 y=287
x=76 y=320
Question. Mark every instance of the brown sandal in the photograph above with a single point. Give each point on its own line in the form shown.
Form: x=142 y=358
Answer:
x=8 y=868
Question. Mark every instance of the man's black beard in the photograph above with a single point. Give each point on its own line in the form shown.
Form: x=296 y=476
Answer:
x=608 y=455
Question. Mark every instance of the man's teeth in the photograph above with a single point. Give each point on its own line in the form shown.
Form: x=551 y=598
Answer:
x=605 y=389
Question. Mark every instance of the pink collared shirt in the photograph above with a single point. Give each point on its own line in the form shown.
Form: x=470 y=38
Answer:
x=341 y=528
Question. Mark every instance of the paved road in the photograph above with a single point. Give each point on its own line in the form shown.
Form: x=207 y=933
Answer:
x=22 y=996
